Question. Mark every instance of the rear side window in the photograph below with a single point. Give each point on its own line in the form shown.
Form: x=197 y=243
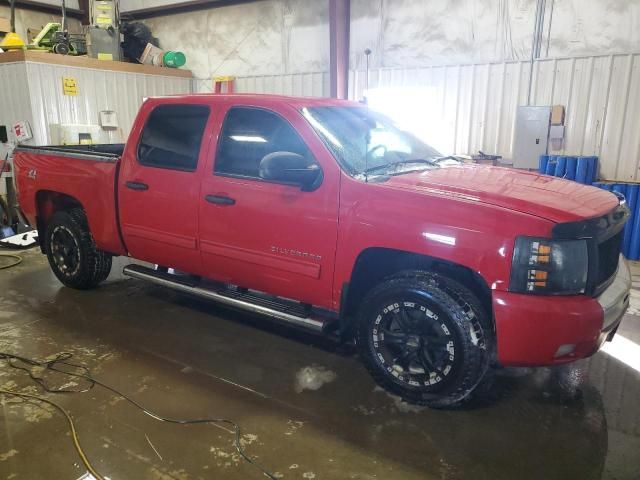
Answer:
x=250 y=134
x=172 y=136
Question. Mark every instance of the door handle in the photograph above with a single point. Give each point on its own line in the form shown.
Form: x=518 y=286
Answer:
x=220 y=200
x=137 y=186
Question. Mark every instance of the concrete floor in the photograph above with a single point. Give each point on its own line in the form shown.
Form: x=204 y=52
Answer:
x=187 y=358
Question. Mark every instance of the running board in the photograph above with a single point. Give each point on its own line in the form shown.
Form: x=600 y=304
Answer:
x=287 y=312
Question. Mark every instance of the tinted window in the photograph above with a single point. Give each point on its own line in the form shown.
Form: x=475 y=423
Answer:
x=249 y=135
x=172 y=136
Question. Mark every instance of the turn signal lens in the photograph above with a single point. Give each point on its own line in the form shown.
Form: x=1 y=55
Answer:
x=552 y=267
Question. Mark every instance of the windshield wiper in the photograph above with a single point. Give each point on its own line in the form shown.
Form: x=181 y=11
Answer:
x=401 y=162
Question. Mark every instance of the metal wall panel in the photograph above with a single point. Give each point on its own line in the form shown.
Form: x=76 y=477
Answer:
x=14 y=96
x=477 y=103
x=98 y=90
x=34 y=93
x=315 y=84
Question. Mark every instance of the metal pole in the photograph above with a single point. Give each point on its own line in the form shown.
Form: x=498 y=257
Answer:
x=535 y=44
x=13 y=15
x=553 y=2
x=367 y=52
x=339 y=22
x=64 y=16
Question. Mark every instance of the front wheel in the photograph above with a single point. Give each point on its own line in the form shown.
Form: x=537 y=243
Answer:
x=425 y=338
x=72 y=252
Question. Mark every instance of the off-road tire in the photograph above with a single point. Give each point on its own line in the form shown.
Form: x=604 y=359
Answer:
x=457 y=308
x=92 y=265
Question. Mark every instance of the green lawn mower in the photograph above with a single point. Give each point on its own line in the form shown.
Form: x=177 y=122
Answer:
x=54 y=38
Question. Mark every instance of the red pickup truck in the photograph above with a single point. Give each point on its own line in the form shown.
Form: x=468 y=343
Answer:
x=324 y=214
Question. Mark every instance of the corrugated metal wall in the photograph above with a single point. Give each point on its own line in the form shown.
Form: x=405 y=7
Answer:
x=477 y=103
x=36 y=95
x=472 y=107
x=15 y=103
x=298 y=84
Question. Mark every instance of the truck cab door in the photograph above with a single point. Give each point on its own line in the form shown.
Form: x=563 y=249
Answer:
x=266 y=235
x=159 y=185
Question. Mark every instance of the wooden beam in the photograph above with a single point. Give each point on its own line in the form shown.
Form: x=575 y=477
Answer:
x=48 y=8
x=86 y=62
x=181 y=7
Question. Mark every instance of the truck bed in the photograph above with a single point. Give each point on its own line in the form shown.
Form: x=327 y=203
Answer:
x=105 y=150
x=86 y=174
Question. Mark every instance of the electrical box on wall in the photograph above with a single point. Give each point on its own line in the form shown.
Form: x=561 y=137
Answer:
x=531 y=136
x=108 y=119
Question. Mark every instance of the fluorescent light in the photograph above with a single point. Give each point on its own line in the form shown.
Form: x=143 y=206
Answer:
x=625 y=350
x=248 y=138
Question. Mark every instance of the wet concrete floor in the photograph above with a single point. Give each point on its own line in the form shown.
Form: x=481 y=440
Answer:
x=307 y=408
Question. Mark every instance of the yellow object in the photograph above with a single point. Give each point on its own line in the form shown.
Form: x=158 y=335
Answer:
x=12 y=40
x=69 y=86
x=104 y=20
x=72 y=427
x=105 y=56
x=15 y=258
x=224 y=79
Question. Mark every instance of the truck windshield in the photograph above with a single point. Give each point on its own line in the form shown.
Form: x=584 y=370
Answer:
x=368 y=143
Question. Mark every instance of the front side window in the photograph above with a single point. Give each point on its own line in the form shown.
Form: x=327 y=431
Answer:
x=172 y=136
x=249 y=135
x=365 y=141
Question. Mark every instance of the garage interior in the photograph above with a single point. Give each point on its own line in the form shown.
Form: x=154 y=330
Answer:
x=549 y=86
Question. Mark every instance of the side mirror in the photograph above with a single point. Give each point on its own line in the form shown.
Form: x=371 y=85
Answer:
x=289 y=167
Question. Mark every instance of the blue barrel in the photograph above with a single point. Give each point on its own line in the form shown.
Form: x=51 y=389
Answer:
x=592 y=173
x=542 y=163
x=607 y=186
x=582 y=169
x=551 y=165
x=634 y=248
x=632 y=200
x=561 y=166
x=572 y=164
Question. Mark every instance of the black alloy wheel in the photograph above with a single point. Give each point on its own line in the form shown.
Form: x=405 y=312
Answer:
x=425 y=337
x=72 y=252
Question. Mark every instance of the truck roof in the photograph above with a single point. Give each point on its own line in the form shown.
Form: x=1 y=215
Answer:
x=262 y=99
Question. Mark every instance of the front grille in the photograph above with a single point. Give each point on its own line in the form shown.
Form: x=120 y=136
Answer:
x=604 y=237
x=608 y=256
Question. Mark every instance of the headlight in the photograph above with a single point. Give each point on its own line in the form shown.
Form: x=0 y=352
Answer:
x=549 y=267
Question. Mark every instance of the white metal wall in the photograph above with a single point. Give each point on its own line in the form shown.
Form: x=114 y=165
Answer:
x=98 y=90
x=475 y=105
x=15 y=104
x=315 y=84
x=472 y=107
x=33 y=92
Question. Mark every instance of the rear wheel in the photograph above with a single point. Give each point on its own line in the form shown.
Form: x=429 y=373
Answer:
x=425 y=338
x=72 y=253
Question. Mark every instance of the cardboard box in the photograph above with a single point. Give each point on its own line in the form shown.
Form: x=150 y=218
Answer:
x=5 y=25
x=557 y=115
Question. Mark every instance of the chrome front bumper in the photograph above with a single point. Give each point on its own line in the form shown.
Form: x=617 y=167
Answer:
x=615 y=299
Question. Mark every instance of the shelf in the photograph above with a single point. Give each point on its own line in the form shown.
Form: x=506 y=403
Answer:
x=86 y=62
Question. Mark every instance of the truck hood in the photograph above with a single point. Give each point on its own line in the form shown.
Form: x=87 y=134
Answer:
x=547 y=197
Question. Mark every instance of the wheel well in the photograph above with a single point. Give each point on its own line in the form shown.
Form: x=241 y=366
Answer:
x=375 y=264
x=47 y=204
